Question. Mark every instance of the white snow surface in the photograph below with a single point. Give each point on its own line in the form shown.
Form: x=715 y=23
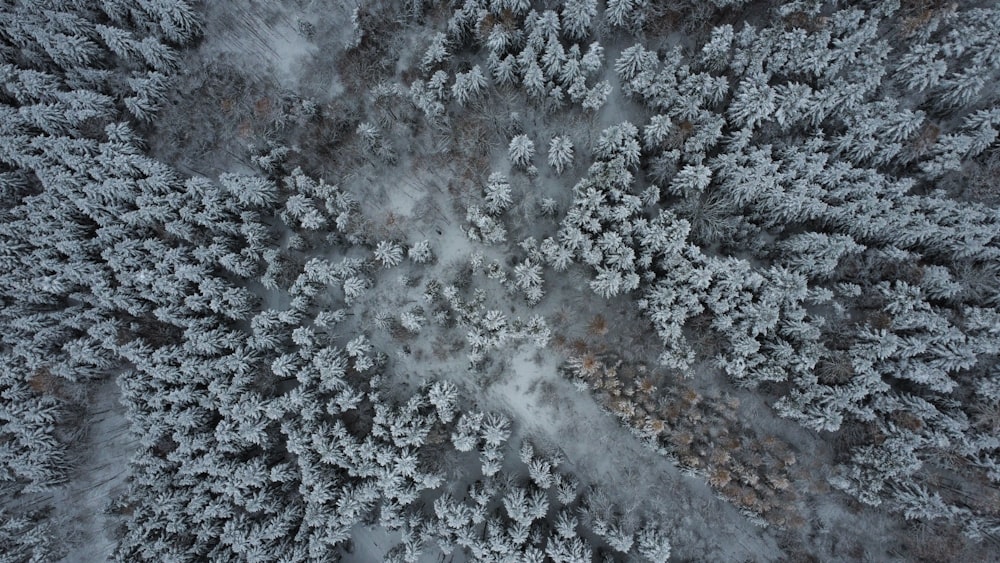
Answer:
x=105 y=452
x=263 y=31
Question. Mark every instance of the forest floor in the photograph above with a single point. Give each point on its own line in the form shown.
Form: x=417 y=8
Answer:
x=100 y=474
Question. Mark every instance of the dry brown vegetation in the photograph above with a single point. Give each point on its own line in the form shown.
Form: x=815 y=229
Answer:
x=705 y=433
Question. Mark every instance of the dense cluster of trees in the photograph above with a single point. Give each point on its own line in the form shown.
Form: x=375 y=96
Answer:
x=263 y=431
x=791 y=192
x=75 y=189
x=544 y=53
x=791 y=186
x=792 y=198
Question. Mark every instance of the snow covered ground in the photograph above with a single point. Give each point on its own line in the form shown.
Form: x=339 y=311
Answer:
x=105 y=452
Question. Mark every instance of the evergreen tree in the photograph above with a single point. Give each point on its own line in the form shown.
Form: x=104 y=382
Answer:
x=521 y=150
x=388 y=253
x=577 y=17
x=625 y=13
x=436 y=53
x=468 y=85
x=497 y=194
x=421 y=252
x=560 y=153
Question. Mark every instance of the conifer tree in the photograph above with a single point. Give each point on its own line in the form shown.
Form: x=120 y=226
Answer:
x=521 y=151
x=436 y=53
x=497 y=194
x=560 y=153
x=468 y=85
x=421 y=252
x=577 y=17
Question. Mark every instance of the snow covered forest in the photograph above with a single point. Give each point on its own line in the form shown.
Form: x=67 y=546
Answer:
x=499 y=280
